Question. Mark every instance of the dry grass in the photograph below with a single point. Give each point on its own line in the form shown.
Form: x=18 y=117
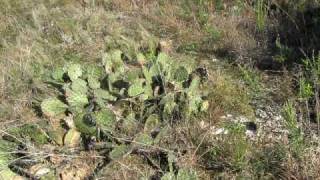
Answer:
x=204 y=31
x=38 y=35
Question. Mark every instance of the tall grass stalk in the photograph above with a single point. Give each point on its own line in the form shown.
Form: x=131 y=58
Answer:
x=261 y=14
x=312 y=66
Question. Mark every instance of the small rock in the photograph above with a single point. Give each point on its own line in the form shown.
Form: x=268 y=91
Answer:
x=251 y=134
x=219 y=131
x=41 y=172
x=69 y=121
x=261 y=114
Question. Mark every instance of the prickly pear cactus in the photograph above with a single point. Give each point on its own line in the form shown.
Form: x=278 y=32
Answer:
x=93 y=82
x=151 y=123
x=106 y=119
x=186 y=174
x=58 y=74
x=76 y=99
x=181 y=74
x=74 y=71
x=104 y=95
x=136 y=89
x=119 y=151
x=80 y=86
x=84 y=124
x=52 y=107
x=156 y=90
x=128 y=105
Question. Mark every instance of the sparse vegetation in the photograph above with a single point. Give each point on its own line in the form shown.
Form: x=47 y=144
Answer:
x=189 y=89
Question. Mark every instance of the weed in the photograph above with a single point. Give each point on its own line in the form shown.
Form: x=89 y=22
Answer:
x=218 y=5
x=229 y=151
x=238 y=146
x=284 y=52
x=268 y=162
x=296 y=138
x=230 y=96
x=312 y=73
x=214 y=33
x=252 y=79
x=261 y=14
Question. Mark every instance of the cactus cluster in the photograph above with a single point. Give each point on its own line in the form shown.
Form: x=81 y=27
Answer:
x=118 y=98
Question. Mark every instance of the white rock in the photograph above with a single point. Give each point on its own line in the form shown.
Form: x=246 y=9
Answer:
x=250 y=134
x=219 y=131
x=42 y=172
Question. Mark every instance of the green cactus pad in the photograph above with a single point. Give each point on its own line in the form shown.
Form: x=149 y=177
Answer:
x=104 y=94
x=186 y=174
x=74 y=71
x=93 y=82
x=57 y=74
x=133 y=74
x=6 y=158
x=147 y=74
x=181 y=74
x=194 y=86
x=119 y=151
x=135 y=89
x=106 y=119
x=113 y=62
x=76 y=100
x=83 y=127
x=72 y=138
x=151 y=123
x=93 y=70
x=143 y=139
x=162 y=136
x=53 y=107
x=130 y=125
x=194 y=104
x=80 y=86
x=163 y=59
x=56 y=135
x=169 y=103
x=5 y=147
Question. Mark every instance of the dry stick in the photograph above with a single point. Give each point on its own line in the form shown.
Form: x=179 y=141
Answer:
x=317 y=108
x=308 y=114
